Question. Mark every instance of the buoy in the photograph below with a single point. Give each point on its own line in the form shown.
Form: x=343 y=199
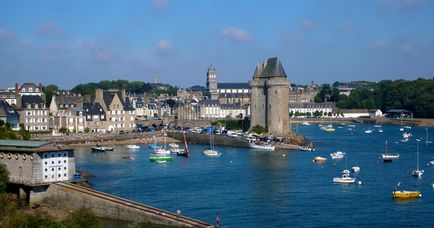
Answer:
x=283 y=155
x=359 y=182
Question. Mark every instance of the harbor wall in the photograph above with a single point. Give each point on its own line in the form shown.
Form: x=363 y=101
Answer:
x=73 y=197
x=204 y=139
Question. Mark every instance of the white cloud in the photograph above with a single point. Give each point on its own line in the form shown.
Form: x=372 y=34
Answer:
x=306 y=24
x=407 y=48
x=160 y=4
x=236 y=34
x=48 y=28
x=163 y=46
x=378 y=44
x=5 y=34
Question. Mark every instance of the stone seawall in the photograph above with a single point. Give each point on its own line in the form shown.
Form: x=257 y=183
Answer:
x=72 y=197
x=204 y=139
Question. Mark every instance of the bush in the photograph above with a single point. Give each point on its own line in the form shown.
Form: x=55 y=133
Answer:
x=82 y=218
x=259 y=129
x=4 y=178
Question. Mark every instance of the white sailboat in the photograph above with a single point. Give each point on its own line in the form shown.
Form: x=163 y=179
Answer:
x=211 y=151
x=417 y=172
x=164 y=149
x=132 y=146
x=388 y=157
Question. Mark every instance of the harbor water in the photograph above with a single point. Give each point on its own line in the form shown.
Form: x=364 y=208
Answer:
x=248 y=188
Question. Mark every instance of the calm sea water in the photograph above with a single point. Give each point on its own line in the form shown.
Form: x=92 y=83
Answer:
x=248 y=188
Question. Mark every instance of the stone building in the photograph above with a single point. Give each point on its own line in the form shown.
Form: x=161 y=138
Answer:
x=36 y=162
x=31 y=107
x=120 y=113
x=67 y=112
x=270 y=97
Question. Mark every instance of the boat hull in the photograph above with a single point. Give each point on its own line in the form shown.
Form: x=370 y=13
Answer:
x=402 y=194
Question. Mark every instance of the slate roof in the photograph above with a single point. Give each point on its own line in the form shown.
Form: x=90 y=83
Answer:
x=108 y=98
x=6 y=110
x=233 y=85
x=234 y=95
x=270 y=68
x=32 y=100
x=93 y=109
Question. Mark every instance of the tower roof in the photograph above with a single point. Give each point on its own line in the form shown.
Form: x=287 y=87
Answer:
x=270 y=68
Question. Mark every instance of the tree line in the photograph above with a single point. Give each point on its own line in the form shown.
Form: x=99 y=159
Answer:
x=416 y=96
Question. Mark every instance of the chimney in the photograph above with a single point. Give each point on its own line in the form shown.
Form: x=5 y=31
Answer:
x=17 y=95
x=124 y=95
x=40 y=87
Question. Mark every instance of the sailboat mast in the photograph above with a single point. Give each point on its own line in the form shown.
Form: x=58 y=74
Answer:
x=417 y=153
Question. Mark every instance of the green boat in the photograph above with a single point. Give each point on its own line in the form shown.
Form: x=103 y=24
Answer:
x=159 y=158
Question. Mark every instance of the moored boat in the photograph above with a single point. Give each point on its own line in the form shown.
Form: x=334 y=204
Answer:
x=345 y=178
x=133 y=146
x=98 y=148
x=403 y=194
x=355 y=169
x=210 y=152
x=388 y=157
x=337 y=155
x=319 y=159
x=159 y=157
x=261 y=147
x=417 y=172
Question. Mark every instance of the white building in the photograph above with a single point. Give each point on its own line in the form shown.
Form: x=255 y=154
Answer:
x=310 y=107
x=354 y=113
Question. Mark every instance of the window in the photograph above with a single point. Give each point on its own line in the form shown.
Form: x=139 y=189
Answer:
x=45 y=162
x=52 y=169
x=52 y=162
x=59 y=168
x=64 y=175
x=46 y=176
x=46 y=170
x=64 y=161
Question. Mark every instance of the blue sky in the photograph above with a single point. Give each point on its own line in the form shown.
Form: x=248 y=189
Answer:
x=70 y=42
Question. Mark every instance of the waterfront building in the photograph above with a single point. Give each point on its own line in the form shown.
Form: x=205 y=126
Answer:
x=36 y=162
x=31 y=106
x=95 y=117
x=270 y=97
x=354 y=113
x=322 y=109
x=398 y=113
x=234 y=93
x=120 y=112
x=212 y=109
x=66 y=111
x=375 y=113
x=9 y=115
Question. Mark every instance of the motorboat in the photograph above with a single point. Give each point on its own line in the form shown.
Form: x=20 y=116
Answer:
x=432 y=185
x=337 y=155
x=319 y=159
x=417 y=172
x=351 y=125
x=403 y=194
x=388 y=157
x=431 y=163
x=330 y=128
x=133 y=146
x=377 y=126
x=173 y=145
x=380 y=130
x=345 y=178
x=406 y=135
x=162 y=151
x=369 y=131
x=306 y=148
x=407 y=127
x=159 y=158
x=175 y=150
x=355 y=169
x=154 y=146
x=210 y=152
x=99 y=148
x=306 y=123
x=261 y=147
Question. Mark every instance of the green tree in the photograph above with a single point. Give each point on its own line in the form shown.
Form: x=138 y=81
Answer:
x=63 y=130
x=49 y=91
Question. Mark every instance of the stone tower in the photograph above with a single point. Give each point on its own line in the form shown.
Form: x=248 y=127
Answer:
x=270 y=97
x=211 y=83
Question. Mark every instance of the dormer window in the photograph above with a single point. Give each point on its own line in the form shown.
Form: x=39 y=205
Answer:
x=30 y=90
x=23 y=90
x=36 y=90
